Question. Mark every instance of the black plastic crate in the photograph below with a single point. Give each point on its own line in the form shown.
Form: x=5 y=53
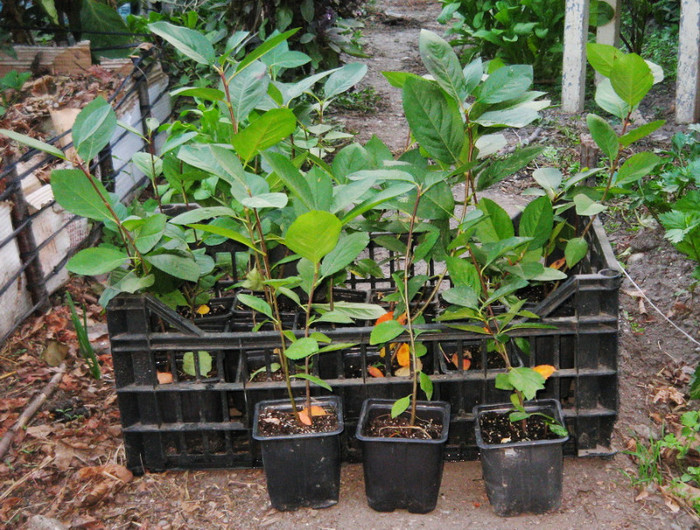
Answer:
x=163 y=428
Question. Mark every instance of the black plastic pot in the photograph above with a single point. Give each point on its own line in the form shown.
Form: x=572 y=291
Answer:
x=302 y=470
x=522 y=477
x=402 y=473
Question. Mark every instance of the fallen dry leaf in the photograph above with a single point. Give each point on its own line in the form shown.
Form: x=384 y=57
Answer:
x=545 y=370
x=374 y=371
x=304 y=417
x=643 y=494
x=403 y=355
x=164 y=378
x=466 y=362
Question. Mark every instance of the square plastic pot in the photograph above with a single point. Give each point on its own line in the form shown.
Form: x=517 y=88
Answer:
x=522 y=477
x=302 y=470
x=402 y=473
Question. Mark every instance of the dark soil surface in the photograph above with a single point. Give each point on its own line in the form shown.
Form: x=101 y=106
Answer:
x=68 y=466
x=496 y=428
x=384 y=426
x=274 y=422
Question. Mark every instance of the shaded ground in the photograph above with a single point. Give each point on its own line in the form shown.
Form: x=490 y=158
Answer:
x=79 y=428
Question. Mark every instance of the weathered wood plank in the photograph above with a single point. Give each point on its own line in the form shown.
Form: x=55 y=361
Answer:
x=57 y=60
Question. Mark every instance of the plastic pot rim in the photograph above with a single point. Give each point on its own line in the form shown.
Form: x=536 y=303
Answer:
x=285 y=404
x=440 y=406
x=530 y=406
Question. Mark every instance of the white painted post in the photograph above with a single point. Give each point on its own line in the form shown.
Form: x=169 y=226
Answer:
x=610 y=33
x=574 y=67
x=688 y=76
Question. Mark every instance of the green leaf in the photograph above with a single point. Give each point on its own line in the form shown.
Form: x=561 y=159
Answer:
x=558 y=429
x=398 y=79
x=497 y=225
x=434 y=120
x=315 y=380
x=602 y=57
x=463 y=272
x=272 y=127
x=526 y=380
x=187 y=41
x=400 y=406
x=576 y=249
x=473 y=73
x=199 y=214
x=508 y=82
x=205 y=363
x=353 y=310
x=292 y=178
x=302 y=348
x=604 y=135
x=33 y=143
x=313 y=235
x=503 y=382
x=72 y=190
x=94 y=261
x=248 y=89
x=255 y=303
x=385 y=332
x=548 y=177
x=426 y=385
x=537 y=221
x=517 y=416
x=608 y=100
x=631 y=78
x=344 y=253
x=266 y=200
x=108 y=27
x=266 y=47
x=442 y=62
x=500 y=169
x=93 y=128
x=150 y=232
x=587 y=206
x=344 y=79
x=181 y=267
x=209 y=94
x=637 y=166
x=640 y=132
x=151 y=165
x=461 y=295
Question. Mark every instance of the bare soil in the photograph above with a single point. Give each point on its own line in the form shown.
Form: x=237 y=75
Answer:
x=67 y=465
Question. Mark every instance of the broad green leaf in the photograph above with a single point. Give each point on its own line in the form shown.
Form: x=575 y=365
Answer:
x=344 y=79
x=199 y=214
x=313 y=235
x=527 y=381
x=94 y=261
x=73 y=190
x=473 y=73
x=255 y=303
x=150 y=232
x=537 y=221
x=442 y=63
x=302 y=348
x=312 y=378
x=93 y=128
x=587 y=206
x=398 y=79
x=248 y=89
x=506 y=83
x=181 y=267
x=608 y=100
x=631 y=78
x=349 y=159
x=293 y=178
x=503 y=382
x=514 y=117
x=549 y=274
x=213 y=159
x=547 y=177
x=640 y=132
x=504 y=247
x=265 y=48
x=497 y=225
x=434 y=120
x=353 y=310
x=426 y=385
x=187 y=41
x=385 y=331
x=151 y=165
x=400 y=406
x=225 y=232
x=33 y=143
x=576 y=249
x=294 y=90
x=489 y=144
x=266 y=131
x=500 y=169
x=461 y=295
x=506 y=290
x=344 y=253
x=210 y=94
x=266 y=200
x=604 y=135
x=463 y=272
x=205 y=363
x=637 y=166
x=108 y=28
x=602 y=57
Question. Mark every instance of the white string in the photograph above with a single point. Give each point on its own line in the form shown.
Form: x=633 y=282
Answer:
x=657 y=309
